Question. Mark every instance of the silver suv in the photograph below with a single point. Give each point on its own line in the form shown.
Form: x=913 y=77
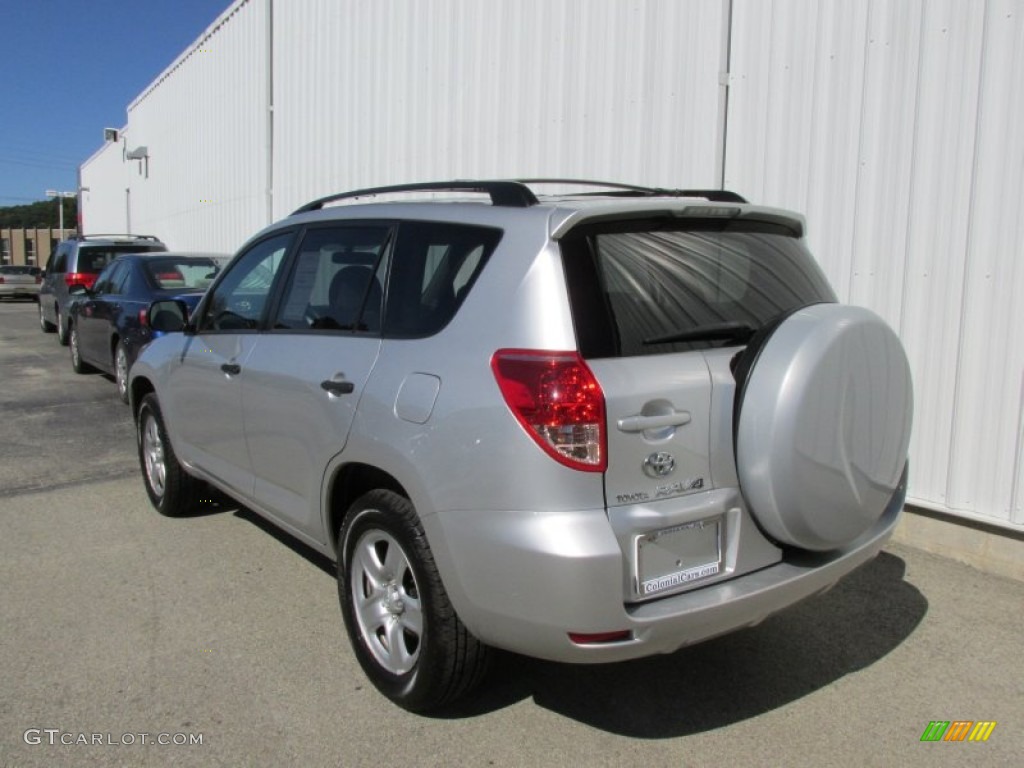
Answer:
x=587 y=426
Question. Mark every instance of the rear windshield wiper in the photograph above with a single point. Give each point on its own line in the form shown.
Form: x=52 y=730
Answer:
x=715 y=332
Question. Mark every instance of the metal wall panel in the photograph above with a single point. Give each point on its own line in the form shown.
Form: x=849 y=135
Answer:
x=102 y=201
x=896 y=126
x=204 y=123
x=398 y=91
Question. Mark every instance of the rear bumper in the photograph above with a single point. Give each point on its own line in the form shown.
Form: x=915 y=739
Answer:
x=15 y=291
x=523 y=581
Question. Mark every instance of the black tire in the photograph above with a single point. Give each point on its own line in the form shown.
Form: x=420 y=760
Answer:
x=77 y=364
x=121 y=371
x=170 y=488
x=409 y=640
x=62 y=329
x=45 y=325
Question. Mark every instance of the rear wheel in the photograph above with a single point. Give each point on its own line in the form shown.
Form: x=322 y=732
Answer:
x=62 y=329
x=403 y=628
x=170 y=488
x=77 y=363
x=45 y=325
x=121 y=371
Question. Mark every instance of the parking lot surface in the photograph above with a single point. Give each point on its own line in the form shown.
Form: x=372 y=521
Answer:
x=127 y=638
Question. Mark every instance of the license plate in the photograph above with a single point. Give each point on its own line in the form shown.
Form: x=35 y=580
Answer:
x=670 y=558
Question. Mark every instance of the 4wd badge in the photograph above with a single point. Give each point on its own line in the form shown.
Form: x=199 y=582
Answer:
x=659 y=464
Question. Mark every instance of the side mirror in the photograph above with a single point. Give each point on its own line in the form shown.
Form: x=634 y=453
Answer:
x=168 y=316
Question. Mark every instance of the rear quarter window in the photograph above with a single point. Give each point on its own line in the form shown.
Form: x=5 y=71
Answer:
x=433 y=269
x=631 y=282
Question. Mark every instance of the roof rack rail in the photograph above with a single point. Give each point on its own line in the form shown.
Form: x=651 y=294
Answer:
x=510 y=194
x=111 y=236
x=632 y=190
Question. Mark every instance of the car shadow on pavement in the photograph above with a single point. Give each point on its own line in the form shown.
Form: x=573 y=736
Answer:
x=726 y=679
x=712 y=684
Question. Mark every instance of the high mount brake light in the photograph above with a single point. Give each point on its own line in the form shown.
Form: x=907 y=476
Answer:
x=556 y=398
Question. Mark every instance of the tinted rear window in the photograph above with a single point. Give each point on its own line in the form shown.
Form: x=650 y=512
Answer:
x=181 y=274
x=96 y=259
x=631 y=282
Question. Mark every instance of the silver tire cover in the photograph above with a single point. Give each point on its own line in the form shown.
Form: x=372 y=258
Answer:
x=824 y=426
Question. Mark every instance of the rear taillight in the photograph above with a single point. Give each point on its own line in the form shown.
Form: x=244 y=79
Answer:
x=80 y=278
x=556 y=398
x=1 y=280
x=39 y=279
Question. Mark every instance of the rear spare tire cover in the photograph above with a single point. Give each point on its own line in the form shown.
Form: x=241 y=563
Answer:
x=824 y=425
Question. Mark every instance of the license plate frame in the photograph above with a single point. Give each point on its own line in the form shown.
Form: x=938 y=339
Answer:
x=671 y=559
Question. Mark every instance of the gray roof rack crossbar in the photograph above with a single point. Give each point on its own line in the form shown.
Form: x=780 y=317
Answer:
x=110 y=236
x=631 y=190
x=510 y=194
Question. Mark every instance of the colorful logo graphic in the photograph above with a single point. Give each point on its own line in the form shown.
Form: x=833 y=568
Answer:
x=958 y=730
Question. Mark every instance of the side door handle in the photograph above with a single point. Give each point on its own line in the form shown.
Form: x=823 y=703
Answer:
x=232 y=369
x=337 y=387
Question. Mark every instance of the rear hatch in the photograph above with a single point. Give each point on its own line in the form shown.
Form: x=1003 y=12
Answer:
x=662 y=304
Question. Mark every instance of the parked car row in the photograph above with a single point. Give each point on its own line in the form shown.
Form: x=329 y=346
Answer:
x=97 y=289
x=108 y=323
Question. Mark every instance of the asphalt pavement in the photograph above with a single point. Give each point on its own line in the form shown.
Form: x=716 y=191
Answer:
x=131 y=639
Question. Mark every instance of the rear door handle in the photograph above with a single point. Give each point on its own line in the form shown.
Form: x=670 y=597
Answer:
x=232 y=369
x=337 y=387
x=641 y=423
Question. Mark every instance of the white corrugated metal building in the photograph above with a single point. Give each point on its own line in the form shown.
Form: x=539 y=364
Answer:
x=896 y=126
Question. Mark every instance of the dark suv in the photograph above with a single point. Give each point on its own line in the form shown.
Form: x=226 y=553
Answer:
x=77 y=261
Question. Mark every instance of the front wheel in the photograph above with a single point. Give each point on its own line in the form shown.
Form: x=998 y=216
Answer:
x=170 y=488
x=403 y=628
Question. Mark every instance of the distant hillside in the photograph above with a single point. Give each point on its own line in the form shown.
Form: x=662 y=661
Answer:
x=43 y=214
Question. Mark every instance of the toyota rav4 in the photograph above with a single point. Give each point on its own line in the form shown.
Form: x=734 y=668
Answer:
x=585 y=426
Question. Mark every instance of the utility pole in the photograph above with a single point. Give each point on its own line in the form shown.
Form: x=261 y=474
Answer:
x=60 y=206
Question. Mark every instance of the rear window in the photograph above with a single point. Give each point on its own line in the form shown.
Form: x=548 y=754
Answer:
x=181 y=274
x=95 y=260
x=634 y=284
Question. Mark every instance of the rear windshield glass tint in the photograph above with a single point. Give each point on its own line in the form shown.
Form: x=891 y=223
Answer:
x=181 y=274
x=632 y=282
x=96 y=259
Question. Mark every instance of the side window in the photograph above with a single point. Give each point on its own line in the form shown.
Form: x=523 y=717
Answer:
x=336 y=281
x=434 y=267
x=119 y=278
x=240 y=298
x=60 y=264
x=111 y=279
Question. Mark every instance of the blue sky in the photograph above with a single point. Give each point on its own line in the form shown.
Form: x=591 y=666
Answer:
x=68 y=69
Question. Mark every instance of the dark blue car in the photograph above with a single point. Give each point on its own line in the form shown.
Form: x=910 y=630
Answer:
x=108 y=323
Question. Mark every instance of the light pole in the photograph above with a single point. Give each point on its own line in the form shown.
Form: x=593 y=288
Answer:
x=60 y=205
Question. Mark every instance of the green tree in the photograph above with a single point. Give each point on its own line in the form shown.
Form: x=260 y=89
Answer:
x=43 y=214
